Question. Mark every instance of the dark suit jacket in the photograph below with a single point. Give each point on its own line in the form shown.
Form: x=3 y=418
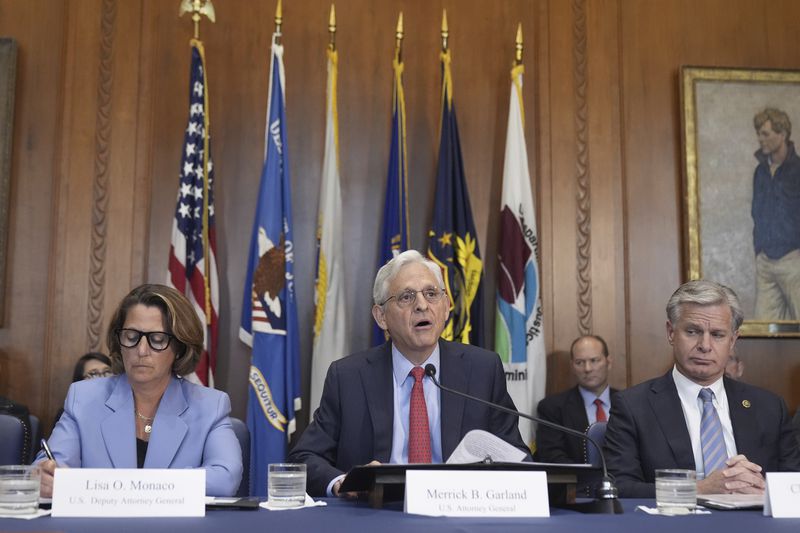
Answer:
x=353 y=424
x=647 y=430
x=565 y=408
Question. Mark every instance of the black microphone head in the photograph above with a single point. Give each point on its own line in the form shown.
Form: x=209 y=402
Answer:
x=430 y=370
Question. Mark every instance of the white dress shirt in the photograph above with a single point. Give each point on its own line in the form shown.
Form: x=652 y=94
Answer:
x=692 y=406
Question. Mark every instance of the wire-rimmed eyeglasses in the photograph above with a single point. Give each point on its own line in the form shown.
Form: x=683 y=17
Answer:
x=409 y=296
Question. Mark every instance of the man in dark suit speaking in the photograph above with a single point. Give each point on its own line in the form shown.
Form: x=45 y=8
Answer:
x=586 y=403
x=377 y=405
x=693 y=417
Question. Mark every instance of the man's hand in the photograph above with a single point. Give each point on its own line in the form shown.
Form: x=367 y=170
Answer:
x=46 y=471
x=349 y=495
x=740 y=476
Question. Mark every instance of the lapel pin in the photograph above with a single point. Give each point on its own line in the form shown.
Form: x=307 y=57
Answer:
x=746 y=404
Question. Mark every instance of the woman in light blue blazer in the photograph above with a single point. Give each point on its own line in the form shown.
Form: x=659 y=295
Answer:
x=148 y=416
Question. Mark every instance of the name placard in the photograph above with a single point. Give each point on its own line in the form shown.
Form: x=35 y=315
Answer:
x=125 y=492
x=476 y=493
x=782 y=499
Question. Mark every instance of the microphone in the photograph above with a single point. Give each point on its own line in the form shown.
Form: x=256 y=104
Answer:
x=606 y=494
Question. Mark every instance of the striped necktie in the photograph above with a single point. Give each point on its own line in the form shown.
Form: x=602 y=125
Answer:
x=714 y=452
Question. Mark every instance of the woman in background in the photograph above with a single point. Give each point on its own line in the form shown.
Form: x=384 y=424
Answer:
x=92 y=365
x=148 y=416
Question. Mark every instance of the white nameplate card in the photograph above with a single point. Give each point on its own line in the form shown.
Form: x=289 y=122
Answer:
x=124 y=492
x=476 y=493
x=782 y=499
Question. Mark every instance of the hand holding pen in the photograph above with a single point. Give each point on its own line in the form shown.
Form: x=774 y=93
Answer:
x=47 y=470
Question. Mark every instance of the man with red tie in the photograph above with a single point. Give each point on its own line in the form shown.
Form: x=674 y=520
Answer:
x=587 y=402
x=378 y=405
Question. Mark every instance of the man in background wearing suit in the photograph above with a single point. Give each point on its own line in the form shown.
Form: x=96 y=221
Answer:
x=693 y=417
x=379 y=406
x=586 y=403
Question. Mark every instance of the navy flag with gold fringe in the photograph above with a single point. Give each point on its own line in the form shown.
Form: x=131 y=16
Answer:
x=452 y=241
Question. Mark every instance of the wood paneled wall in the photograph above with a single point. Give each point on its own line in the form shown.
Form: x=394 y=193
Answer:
x=101 y=107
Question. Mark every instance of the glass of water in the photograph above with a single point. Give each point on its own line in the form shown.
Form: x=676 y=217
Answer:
x=676 y=491
x=19 y=489
x=287 y=484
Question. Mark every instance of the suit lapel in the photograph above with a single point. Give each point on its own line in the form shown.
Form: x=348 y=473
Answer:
x=576 y=409
x=455 y=375
x=119 y=429
x=666 y=405
x=376 y=378
x=743 y=419
x=169 y=429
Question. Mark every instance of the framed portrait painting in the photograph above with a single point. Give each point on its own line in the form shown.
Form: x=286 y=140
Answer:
x=742 y=190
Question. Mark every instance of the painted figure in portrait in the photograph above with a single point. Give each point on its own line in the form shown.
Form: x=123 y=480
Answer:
x=776 y=218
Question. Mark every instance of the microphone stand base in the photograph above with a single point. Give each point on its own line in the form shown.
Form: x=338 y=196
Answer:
x=599 y=506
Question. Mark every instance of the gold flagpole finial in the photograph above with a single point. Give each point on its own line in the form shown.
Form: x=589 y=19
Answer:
x=518 y=46
x=445 y=33
x=197 y=8
x=398 y=37
x=278 y=22
x=332 y=27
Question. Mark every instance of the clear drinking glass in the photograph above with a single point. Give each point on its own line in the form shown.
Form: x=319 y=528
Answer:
x=286 y=484
x=19 y=489
x=676 y=491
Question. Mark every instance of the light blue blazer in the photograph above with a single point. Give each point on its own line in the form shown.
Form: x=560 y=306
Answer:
x=191 y=429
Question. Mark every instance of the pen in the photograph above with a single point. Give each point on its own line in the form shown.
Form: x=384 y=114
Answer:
x=47 y=451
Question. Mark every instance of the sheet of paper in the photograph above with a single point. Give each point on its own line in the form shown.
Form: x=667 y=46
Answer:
x=478 y=445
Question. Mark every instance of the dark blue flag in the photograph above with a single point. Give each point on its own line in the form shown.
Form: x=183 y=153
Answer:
x=269 y=313
x=452 y=240
x=394 y=238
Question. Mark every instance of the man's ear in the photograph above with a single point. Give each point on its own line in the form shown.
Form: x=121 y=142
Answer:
x=670 y=332
x=379 y=316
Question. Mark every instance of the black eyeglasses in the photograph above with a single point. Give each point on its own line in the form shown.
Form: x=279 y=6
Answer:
x=158 y=340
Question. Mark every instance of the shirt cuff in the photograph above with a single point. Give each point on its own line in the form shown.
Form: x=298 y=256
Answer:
x=329 y=491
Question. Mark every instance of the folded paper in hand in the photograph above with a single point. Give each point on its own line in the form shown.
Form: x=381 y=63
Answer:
x=479 y=446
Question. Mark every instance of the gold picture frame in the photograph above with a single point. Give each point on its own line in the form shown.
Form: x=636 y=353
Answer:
x=720 y=147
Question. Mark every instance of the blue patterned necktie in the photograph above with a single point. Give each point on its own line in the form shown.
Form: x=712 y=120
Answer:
x=714 y=452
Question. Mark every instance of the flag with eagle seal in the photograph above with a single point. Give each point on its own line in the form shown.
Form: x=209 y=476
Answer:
x=269 y=314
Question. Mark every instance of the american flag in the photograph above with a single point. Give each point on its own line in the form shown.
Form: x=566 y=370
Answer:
x=192 y=254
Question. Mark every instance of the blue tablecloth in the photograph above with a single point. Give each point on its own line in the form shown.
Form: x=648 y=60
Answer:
x=359 y=517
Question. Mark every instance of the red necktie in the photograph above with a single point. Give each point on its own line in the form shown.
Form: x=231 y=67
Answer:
x=601 y=413
x=419 y=435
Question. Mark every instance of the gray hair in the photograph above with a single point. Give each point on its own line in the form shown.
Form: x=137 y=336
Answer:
x=380 y=290
x=704 y=292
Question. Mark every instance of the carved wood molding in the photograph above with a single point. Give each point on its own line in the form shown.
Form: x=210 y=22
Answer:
x=102 y=142
x=582 y=170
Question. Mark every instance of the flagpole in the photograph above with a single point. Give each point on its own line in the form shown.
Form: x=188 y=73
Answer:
x=401 y=105
x=398 y=39
x=445 y=32
x=447 y=79
x=278 y=22
x=198 y=8
x=332 y=28
x=517 y=70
